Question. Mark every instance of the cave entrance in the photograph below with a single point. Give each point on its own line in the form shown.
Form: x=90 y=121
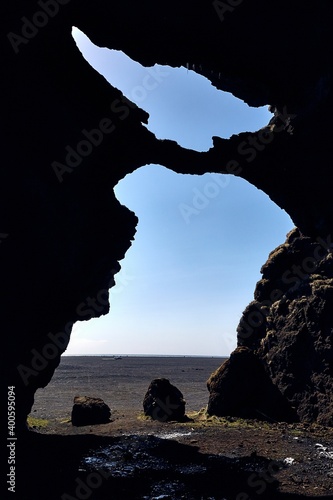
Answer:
x=201 y=240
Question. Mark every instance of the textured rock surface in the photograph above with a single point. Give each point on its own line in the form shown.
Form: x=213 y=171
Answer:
x=288 y=329
x=163 y=401
x=241 y=387
x=62 y=232
x=90 y=411
x=289 y=324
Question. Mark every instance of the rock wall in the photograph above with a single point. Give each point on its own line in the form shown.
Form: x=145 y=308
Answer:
x=289 y=324
x=68 y=137
x=287 y=331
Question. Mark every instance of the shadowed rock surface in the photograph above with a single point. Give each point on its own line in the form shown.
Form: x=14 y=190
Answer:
x=90 y=411
x=145 y=468
x=289 y=324
x=241 y=387
x=68 y=137
x=288 y=331
x=163 y=401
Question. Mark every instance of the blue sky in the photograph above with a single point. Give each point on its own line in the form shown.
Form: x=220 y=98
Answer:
x=201 y=240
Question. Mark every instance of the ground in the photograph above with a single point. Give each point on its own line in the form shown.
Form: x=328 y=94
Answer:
x=258 y=459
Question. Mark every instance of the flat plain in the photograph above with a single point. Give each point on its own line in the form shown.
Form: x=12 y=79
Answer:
x=122 y=383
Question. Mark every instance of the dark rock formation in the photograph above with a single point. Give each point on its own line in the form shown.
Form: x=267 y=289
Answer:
x=288 y=330
x=241 y=387
x=289 y=324
x=68 y=137
x=164 y=402
x=90 y=411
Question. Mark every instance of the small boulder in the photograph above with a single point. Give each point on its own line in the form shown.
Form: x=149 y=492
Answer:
x=90 y=411
x=164 y=402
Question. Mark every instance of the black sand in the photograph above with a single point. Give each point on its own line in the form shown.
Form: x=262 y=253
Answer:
x=122 y=383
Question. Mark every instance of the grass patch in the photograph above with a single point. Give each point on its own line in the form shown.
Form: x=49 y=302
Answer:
x=37 y=423
x=145 y=418
x=201 y=417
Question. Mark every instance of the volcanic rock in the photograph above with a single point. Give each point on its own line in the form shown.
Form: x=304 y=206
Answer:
x=90 y=411
x=289 y=325
x=242 y=388
x=163 y=401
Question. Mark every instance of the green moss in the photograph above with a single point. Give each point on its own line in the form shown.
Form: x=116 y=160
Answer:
x=144 y=417
x=37 y=423
x=203 y=418
x=296 y=432
x=65 y=421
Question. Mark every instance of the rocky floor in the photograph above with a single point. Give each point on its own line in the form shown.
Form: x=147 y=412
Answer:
x=205 y=458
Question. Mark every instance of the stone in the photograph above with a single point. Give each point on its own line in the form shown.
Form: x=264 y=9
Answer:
x=90 y=411
x=289 y=324
x=242 y=388
x=164 y=402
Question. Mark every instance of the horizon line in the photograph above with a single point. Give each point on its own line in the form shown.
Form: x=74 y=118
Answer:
x=152 y=355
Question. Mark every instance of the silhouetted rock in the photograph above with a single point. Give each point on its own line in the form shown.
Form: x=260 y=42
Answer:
x=90 y=411
x=241 y=387
x=289 y=324
x=288 y=334
x=163 y=401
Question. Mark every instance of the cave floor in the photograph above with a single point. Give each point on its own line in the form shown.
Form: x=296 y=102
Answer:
x=204 y=458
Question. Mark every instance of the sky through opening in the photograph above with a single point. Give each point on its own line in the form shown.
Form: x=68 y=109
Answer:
x=189 y=274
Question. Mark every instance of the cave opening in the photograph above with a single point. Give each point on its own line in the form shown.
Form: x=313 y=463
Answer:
x=198 y=237
x=200 y=241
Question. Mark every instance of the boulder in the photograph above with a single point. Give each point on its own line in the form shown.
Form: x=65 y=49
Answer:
x=241 y=387
x=90 y=411
x=164 y=402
